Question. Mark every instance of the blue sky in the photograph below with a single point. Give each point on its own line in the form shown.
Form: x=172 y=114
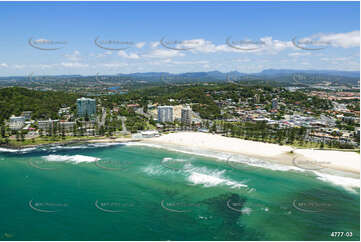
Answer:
x=177 y=37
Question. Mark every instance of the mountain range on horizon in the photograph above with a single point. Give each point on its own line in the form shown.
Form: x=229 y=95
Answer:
x=266 y=72
x=219 y=74
x=276 y=75
x=273 y=75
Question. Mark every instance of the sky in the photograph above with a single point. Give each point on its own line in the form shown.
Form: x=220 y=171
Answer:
x=86 y=38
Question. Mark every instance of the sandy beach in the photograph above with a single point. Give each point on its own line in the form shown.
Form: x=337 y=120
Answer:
x=305 y=158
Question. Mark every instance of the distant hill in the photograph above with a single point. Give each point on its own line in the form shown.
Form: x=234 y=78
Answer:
x=284 y=76
x=281 y=75
x=275 y=72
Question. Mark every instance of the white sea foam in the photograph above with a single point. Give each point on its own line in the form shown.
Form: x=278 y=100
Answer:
x=195 y=175
x=212 y=180
x=70 y=158
x=104 y=144
x=144 y=144
x=24 y=150
x=235 y=158
x=346 y=182
x=210 y=177
x=54 y=148
x=239 y=160
x=166 y=159
x=7 y=150
x=246 y=210
x=163 y=168
x=83 y=146
x=156 y=170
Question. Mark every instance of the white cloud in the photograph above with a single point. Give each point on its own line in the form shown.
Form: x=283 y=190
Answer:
x=334 y=59
x=275 y=46
x=261 y=45
x=124 y=54
x=19 y=66
x=44 y=66
x=242 y=60
x=197 y=46
x=140 y=45
x=4 y=65
x=73 y=64
x=344 y=40
x=154 y=44
x=188 y=62
x=299 y=54
x=106 y=53
x=114 y=65
x=163 y=53
x=75 y=56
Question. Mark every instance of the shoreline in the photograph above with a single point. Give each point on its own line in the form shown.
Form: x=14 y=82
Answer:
x=338 y=167
x=344 y=161
x=74 y=141
x=307 y=159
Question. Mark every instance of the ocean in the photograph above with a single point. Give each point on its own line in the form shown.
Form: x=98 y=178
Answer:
x=144 y=192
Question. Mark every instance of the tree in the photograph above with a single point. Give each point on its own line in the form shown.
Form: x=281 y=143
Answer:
x=3 y=131
x=17 y=136
x=22 y=136
x=62 y=132
x=214 y=127
x=86 y=117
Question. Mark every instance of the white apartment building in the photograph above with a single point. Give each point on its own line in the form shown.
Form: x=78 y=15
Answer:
x=16 y=123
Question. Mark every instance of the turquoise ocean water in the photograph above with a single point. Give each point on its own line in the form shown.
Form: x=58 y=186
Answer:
x=136 y=192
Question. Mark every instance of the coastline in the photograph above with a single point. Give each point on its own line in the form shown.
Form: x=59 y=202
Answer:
x=343 y=161
x=73 y=141
x=341 y=168
x=308 y=159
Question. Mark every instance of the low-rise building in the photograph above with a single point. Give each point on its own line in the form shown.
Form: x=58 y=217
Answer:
x=26 y=115
x=16 y=123
x=149 y=133
x=46 y=124
x=67 y=126
x=63 y=111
